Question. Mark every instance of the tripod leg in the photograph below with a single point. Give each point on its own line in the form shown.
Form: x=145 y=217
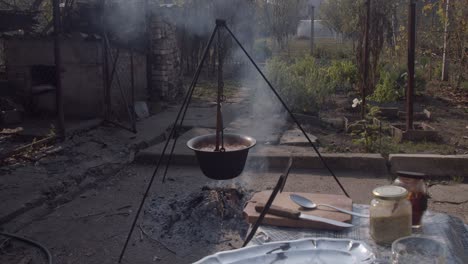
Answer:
x=172 y=133
x=193 y=85
x=287 y=109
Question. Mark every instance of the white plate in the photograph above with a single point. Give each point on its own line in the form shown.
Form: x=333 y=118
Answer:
x=308 y=250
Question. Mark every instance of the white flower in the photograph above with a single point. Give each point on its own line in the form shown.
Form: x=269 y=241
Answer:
x=356 y=102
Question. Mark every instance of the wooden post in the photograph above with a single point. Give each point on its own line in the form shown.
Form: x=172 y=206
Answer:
x=149 y=54
x=366 y=60
x=105 y=64
x=312 y=29
x=445 y=61
x=411 y=55
x=58 y=69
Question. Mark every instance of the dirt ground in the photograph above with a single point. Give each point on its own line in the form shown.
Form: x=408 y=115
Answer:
x=449 y=110
x=92 y=228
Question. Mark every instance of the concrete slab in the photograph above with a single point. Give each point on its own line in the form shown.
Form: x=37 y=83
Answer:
x=152 y=130
x=203 y=114
x=265 y=156
x=295 y=137
x=269 y=131
x=182 y=154
x=431 y=164
x=455 y=194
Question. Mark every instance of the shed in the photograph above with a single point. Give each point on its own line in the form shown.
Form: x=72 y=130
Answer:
x=30 y=71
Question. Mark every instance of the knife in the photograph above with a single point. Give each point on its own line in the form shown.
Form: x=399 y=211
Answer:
x=293 y=214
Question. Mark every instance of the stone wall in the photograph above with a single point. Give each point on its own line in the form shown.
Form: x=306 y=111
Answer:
x=165 y=59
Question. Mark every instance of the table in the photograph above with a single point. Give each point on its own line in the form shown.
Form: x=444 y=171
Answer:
x=444 y=227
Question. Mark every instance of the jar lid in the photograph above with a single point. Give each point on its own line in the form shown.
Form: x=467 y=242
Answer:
x=390 y=192
x=411 y=174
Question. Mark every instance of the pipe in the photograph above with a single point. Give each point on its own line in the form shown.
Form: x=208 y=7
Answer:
x=31 y=242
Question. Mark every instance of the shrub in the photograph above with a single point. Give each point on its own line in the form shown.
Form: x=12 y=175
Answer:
x=342 y=74
x=402 y=79
x=393 y=82
x=302 y=84
x=386 y=90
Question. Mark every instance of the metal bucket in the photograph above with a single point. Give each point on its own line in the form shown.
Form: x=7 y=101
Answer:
x=221 y=165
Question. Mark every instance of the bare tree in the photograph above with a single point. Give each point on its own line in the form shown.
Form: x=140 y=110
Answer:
x=281 y=18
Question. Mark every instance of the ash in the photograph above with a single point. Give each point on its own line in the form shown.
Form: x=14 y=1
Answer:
x=211 y=216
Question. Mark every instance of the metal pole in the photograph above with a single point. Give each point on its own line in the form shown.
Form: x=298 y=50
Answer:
x=365 y=80
x=132 y=76
x=312 y=29
x=58 y=69
x=218 y=101
x=411 y=51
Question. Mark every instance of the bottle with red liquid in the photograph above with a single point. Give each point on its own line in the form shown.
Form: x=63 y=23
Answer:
x=417 y=193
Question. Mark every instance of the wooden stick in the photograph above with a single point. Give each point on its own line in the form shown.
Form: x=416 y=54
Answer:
x=23 y=148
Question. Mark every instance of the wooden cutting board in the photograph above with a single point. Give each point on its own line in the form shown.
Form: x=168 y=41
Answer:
x=283 y=200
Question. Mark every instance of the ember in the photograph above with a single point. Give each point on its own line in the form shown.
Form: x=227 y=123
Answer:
x=211 y=216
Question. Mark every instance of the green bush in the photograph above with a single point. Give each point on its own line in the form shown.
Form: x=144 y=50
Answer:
x=438 y=72
x=393 y=82
x=302 y=84
x=342 y=74
x=386 y=90
x=402 y=78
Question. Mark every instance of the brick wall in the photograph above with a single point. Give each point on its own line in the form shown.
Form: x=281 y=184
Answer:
x=165 y=70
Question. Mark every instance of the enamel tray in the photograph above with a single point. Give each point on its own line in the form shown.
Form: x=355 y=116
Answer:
x=309 y=250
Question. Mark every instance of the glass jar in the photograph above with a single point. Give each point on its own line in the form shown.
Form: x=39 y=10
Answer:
x=414 y=183
x=390 y=214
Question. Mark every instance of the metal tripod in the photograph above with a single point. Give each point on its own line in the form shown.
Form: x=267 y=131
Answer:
x=181 y=116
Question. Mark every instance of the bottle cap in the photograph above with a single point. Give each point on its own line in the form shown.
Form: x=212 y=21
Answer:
x=390 y=192
x=411 y=174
